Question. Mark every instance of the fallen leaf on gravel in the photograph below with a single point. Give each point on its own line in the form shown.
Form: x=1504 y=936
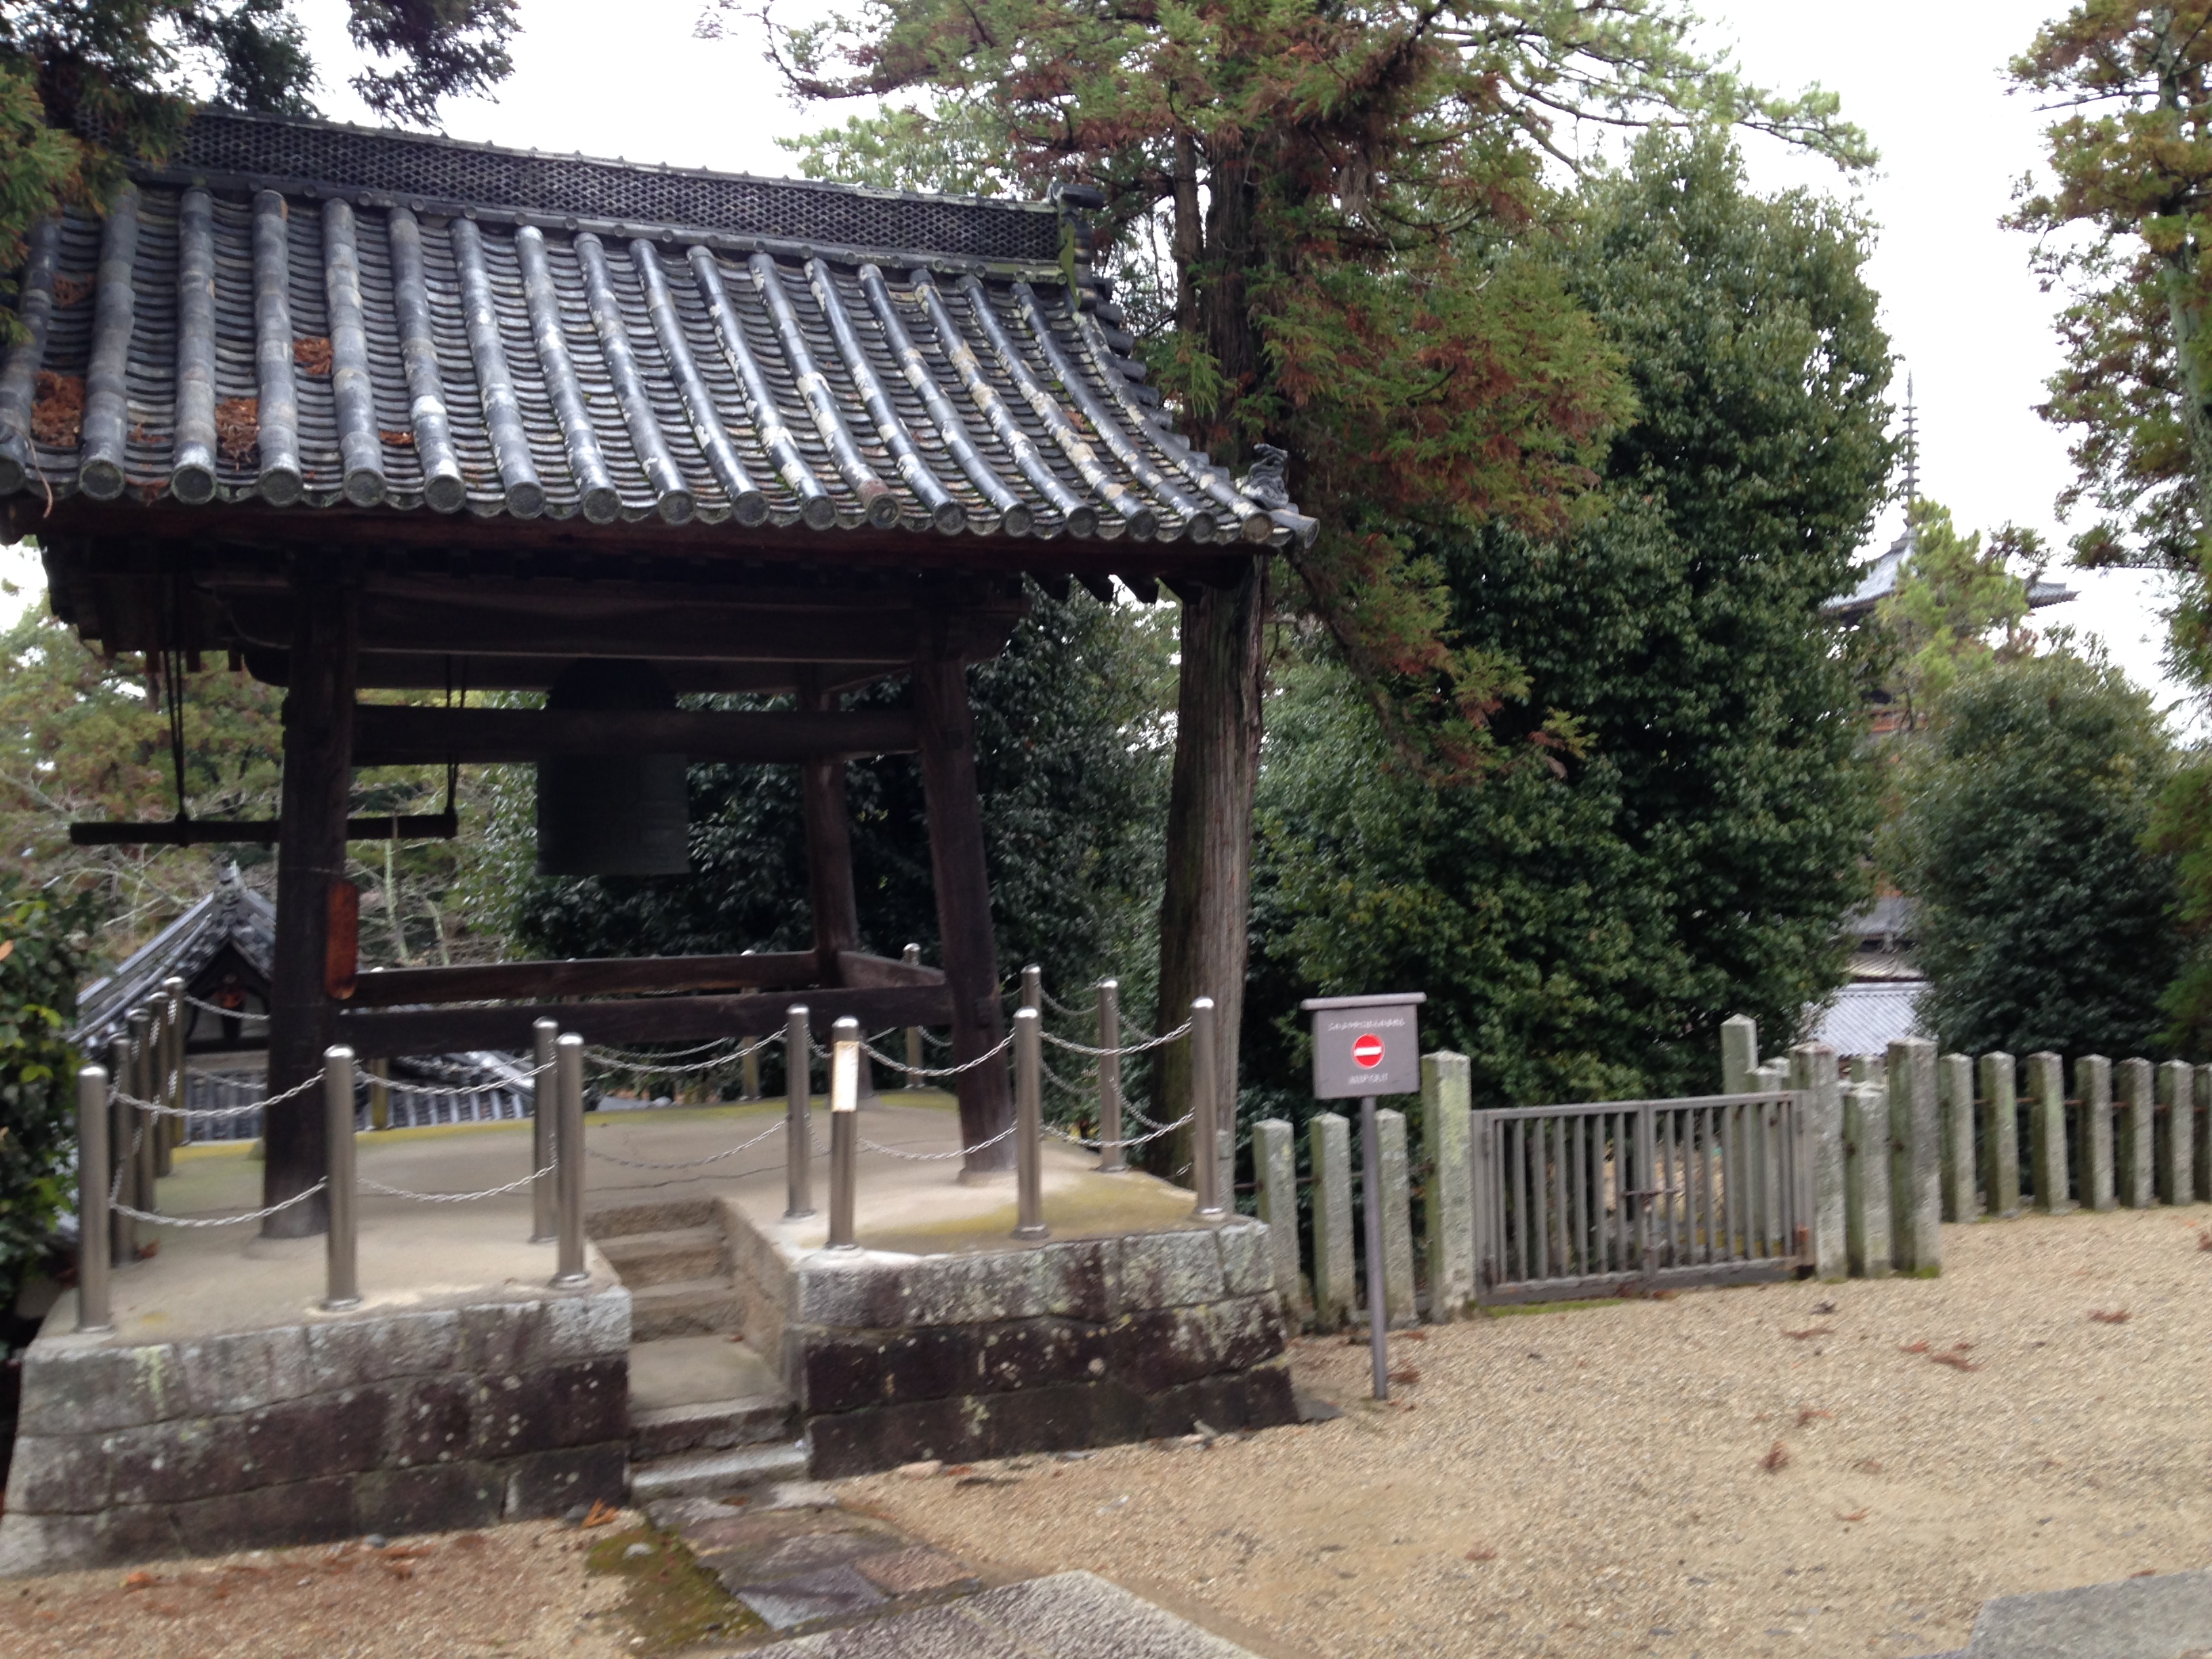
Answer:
x=1913 y=1347
x=1777 y=1458
x=1819 y=1308
x=2147 y=1572
x=1956 y=1361
x=416 y=1552
x=1010 y=1480
x=1809 y=1414
x=2204 y=1238
x=400 y=1569
x=1809 y=1331
x=1412 y=1336
x=599 y=1514
x=1867 y=1466
x=1408 y=1374
x=1482 y=1552
x=2110 y=1316
x=139 y=1580
x=1855 y=1515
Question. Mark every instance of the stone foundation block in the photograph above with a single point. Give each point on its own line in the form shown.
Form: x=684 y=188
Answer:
x=553 y=1482
x=351 y=1354
x=84 y=1390
x=446 y=1498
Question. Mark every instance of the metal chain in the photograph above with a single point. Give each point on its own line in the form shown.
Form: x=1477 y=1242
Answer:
x=217 y=1008
x=935 y=1041
x=1055 y=1004
x=1083 y=1091
x=1160 y=1041
x=615 y=1062
x=1136 y=1140
x=445 y=1091
x=932 y=1158
x=161 y=1109
x=219 y=1221
x=882 y=1058
x=454 y=1198
x=687 y=1163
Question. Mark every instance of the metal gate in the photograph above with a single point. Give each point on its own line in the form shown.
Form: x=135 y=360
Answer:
x=1624 y=1194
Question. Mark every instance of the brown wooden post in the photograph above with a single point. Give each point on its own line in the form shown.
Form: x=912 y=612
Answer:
x=837 y=911
x=829 y=845
x=963 y=903
x=311 y=853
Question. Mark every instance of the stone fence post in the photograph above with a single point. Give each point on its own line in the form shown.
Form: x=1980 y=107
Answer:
x=1448 y=1194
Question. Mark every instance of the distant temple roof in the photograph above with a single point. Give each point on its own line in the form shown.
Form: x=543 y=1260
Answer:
x=233 y=916
x=292 y=313
x=1880 y=580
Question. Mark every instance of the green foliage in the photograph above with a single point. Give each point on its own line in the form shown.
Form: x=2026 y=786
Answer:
x=1951 y=595
x=1318 y=213
x=86 y=86
x=1071 y=760
x=85 y=737
x=2123 y=225
x=42 y=949
x=2043 y=922
x=1684 y=823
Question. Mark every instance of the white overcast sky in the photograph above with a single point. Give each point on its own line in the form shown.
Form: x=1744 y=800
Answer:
x=1925 y=77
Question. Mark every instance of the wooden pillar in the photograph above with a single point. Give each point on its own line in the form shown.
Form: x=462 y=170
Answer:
x=963 y=901
x=830 y=900
x=311 y=852
x=829 y=845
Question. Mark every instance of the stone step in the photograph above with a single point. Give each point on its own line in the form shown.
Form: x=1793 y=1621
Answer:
x=709 y=1425
x=685 y=1307
x=709 y=1474
x=662 y=1258
x=663 y=1215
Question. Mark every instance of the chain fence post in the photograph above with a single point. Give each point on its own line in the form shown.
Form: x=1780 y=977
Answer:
x=93 y=1312
x=1205 y=1137
x=544 y=1133
x=798 y=1116
x=380 y=1094
x=1029 y=1119
x=1033 y=987
x=122 y=1231
x=1112 y=1155
x=913 y=958
x=343 y=1289
x=844 y=1132
x=568 y=1152
x=172 y=1129
x=146 y=1153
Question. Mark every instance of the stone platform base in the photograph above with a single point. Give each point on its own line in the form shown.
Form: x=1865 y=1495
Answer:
x=992 y=1352
x=383 y=1420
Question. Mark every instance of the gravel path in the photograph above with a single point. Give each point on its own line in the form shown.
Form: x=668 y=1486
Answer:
x=1716 y=1473
x=516 y=1592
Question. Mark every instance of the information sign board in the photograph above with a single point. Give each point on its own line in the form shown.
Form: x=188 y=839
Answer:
x=1365 y=1045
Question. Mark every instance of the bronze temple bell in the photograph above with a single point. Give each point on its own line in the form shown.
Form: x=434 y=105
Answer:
x=616 y=814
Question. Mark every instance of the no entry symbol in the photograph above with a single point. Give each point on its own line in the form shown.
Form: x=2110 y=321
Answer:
x=1367 y=1052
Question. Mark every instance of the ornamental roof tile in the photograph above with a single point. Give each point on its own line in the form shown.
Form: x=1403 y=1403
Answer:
x=304 y=314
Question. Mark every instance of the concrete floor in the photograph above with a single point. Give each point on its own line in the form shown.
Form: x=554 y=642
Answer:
x=414 y=1254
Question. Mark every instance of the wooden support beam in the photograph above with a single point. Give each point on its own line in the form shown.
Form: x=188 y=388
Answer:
x=830 y=899
x=589 y=976
x=311 y=855
x=573 y=621
x=861 y=971
x=387 y=734
x=963 y=903
x=377 y=1034
x=221 y=832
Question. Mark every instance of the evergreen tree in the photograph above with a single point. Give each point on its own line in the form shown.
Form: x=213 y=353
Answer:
x=2043 y=922
x=1322 y=212
x=1690 y=824
x=87 y=86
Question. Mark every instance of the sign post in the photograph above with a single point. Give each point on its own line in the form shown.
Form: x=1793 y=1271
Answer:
x=1365 y=1047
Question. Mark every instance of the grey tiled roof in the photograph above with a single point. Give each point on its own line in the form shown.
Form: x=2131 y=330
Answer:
x=233 y=915
x=303 y=314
